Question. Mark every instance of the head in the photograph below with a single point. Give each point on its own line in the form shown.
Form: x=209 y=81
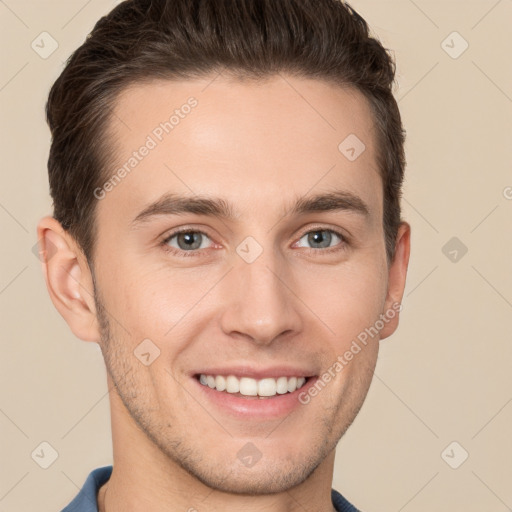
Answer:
x=268 y=133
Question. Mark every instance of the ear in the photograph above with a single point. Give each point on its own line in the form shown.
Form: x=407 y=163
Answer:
x=396 y=279
x=68 y=279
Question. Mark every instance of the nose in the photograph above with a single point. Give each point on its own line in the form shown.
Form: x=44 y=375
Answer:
x=260 y=303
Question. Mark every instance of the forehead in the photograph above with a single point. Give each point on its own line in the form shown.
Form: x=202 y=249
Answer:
x=251 y=142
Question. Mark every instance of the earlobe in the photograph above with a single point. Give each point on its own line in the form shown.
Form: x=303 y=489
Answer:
x=68 y=279
x=396 y=279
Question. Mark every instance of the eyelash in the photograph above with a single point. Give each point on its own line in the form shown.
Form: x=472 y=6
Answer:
x=197 y=252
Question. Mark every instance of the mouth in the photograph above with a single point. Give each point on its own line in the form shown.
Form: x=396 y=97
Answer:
x=253 y=399
x=251 y=388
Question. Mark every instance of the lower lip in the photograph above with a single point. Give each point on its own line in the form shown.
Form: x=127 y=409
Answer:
x=254 y=407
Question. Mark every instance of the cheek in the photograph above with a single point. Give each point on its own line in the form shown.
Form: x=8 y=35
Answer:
x=347 y=298
x=154 y=303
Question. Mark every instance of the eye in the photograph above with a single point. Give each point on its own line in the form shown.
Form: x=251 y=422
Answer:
x=322 y=239
x=186 y=240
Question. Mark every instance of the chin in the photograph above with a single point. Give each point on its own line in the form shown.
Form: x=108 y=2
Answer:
x=260 y=479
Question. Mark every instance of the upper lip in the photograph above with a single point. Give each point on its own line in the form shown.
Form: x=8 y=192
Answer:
x=256 y=373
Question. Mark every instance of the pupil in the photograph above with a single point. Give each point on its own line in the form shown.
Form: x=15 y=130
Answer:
x=190 y=240
x=319 y=237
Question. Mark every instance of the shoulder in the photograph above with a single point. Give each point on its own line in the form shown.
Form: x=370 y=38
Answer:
x=341 y=504
x=85 y=500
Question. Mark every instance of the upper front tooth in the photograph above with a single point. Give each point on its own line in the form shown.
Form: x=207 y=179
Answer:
x=248 y=386
x=292 y=384
x=282 y=385
x=232 y=384
x=220 y=383
x=267 y=387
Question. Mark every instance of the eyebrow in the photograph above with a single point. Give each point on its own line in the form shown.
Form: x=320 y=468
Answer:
x=173 y=204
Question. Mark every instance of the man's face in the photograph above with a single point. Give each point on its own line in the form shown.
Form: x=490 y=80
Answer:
x=268 y=292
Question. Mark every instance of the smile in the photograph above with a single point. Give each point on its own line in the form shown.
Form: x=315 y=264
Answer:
x=249 y=387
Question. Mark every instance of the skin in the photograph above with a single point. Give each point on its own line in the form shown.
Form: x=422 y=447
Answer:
x=259 y=146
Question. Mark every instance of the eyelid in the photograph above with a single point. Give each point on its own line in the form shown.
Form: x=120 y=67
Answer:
x=322 y=227
x=343 y=245
x=170 y=234
x=184 y=229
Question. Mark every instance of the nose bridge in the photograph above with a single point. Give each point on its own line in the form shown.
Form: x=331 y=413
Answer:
x=260 y=304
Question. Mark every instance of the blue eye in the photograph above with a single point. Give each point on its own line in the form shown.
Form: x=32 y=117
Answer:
x=189 y=242
x=322 y=238
x=186 y=240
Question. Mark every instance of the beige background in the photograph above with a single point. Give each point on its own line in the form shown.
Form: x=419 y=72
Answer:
x=446 y=373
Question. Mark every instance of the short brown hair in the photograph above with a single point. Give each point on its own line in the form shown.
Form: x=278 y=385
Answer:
x=141 y=40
